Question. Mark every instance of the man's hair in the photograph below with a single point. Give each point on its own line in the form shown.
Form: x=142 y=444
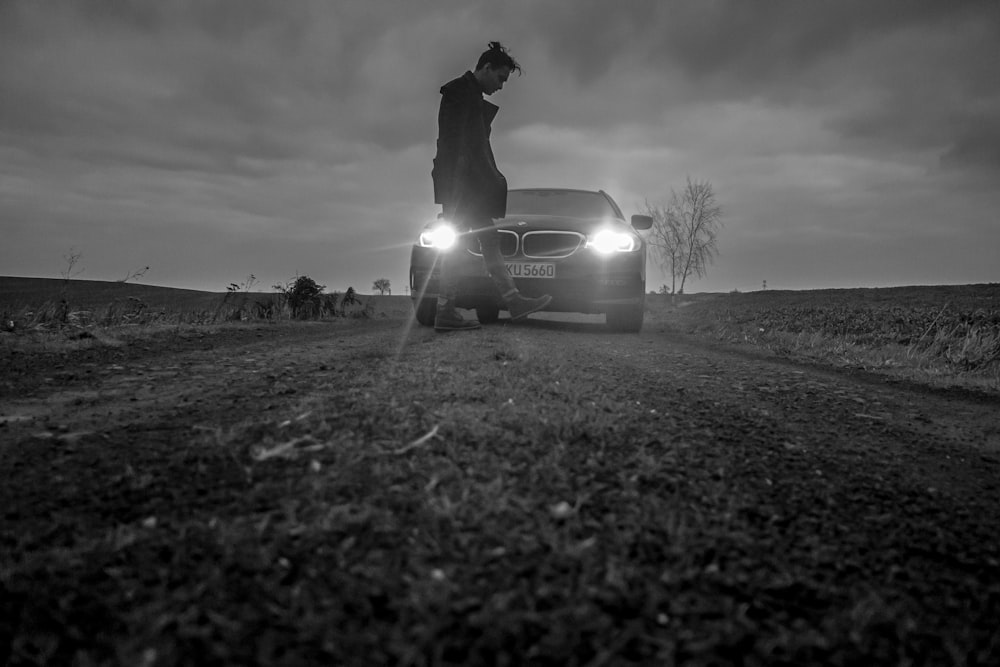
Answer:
x=497 y=56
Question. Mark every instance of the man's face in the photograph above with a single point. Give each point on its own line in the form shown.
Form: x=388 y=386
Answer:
x=494 y=78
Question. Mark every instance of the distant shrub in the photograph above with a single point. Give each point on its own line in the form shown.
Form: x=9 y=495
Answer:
x=363 y=312
x=241 y=305
x=305 y=298
x=131 y=310
x=328 y=305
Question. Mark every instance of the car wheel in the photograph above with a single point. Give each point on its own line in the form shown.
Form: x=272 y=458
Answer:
x=627 y=319
x=425 y=309
x=488 y=314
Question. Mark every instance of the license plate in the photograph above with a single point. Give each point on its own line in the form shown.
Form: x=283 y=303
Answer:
x=531 y=270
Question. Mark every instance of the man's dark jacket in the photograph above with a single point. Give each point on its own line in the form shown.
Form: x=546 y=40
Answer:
x=467 y=182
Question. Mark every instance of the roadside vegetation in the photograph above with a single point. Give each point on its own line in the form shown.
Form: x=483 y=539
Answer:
x=82 y=309
x=942 y=336
x=937 y=335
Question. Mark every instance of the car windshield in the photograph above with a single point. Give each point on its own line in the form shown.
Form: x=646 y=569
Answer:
x=572 y=203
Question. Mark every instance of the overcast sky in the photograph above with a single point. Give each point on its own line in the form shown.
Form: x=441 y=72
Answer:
x=849 y=143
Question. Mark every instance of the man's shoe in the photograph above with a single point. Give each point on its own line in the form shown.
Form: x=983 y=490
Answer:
x=449 y=320
x=521 y=306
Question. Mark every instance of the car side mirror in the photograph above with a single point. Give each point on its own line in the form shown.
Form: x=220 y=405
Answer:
x=642 y=221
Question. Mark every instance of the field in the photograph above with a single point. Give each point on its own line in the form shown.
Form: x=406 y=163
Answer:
x=20 y=294
x=938 y=335
x=36 y=305
x=220 y=489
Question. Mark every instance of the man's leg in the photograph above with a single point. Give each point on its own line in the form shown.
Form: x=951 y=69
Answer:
x=447 y=317
x=519 y=306
x=489 y=244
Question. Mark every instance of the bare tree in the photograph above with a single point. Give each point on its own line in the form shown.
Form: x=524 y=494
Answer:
x=72 y=259
x=665 y=238
x=685 y=233
x=135 y=275
x=383 y=286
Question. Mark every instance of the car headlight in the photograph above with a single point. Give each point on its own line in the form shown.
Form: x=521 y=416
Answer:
x=607 y=241
x=441 y=236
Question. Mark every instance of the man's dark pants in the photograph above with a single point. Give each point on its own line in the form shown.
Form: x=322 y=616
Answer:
x=487 y=236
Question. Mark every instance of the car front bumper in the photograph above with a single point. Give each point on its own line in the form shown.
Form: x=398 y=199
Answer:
x=584 y=282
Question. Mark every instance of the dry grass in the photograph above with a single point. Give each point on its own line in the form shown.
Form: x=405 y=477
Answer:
x=67 y=315
x=944 y=336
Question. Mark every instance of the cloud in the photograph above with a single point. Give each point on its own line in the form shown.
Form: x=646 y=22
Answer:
x=896 y=75
x=215 y=134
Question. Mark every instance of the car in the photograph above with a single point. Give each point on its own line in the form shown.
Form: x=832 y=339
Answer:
x=574 y=245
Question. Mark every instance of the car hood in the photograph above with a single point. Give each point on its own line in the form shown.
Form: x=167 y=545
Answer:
x=531 y=223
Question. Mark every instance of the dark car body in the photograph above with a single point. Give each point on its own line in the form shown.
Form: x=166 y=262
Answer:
x=574 y=245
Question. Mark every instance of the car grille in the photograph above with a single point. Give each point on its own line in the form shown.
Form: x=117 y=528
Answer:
x=508 y=244
x=551 y=245
x=537 y=245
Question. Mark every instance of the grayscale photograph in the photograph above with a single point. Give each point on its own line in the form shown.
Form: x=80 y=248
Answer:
x=466 y=332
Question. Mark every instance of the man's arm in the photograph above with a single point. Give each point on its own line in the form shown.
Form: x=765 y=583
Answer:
x=451 y=119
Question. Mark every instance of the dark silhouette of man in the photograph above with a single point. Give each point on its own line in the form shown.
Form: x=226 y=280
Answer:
x=471 y=190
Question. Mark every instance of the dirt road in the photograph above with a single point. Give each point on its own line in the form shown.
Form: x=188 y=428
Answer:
x=731 y=507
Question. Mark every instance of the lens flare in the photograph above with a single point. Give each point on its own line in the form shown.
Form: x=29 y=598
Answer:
x=608 y=241
x=441 y=237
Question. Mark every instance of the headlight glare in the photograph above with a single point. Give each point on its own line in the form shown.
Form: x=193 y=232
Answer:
x=440 y=236
x=608 y=241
